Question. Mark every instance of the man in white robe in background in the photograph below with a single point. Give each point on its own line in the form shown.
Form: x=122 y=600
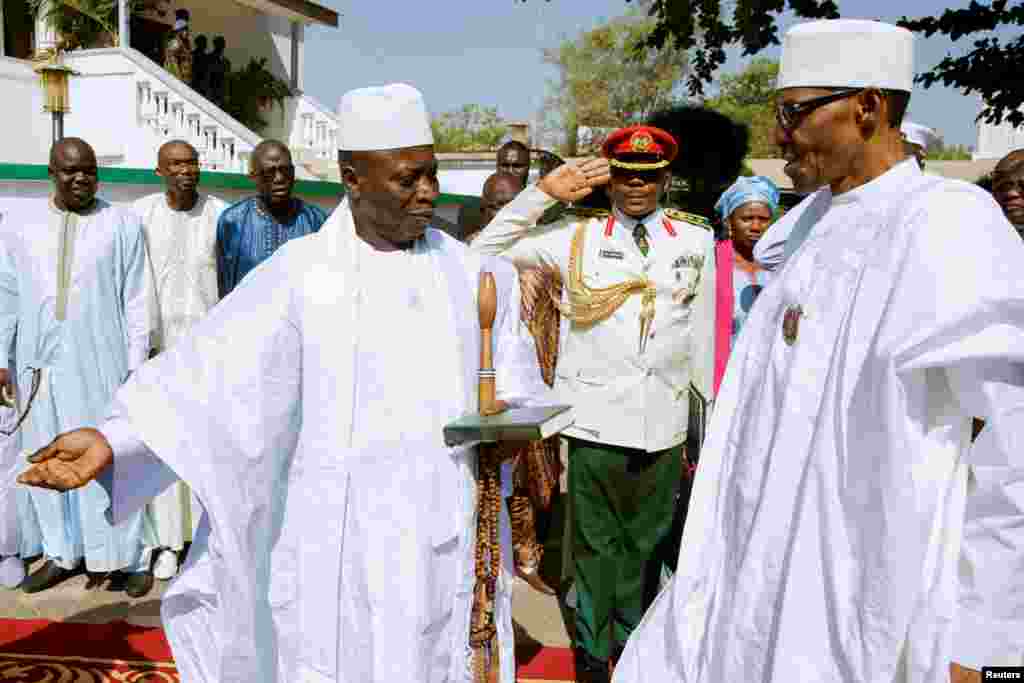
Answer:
x=75 y=293
x=181 y=234
x=306 y=413
x=827 y=514
x=917 y=139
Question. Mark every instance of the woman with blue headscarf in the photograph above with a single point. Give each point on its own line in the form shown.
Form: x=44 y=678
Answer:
x=746 y=209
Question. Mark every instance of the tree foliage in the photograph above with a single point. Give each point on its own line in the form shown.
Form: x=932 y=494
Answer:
x=701 y=27
x=748 y=98
x=82 y=23
x=471 y=128
x=249 y=91
x=609 y=77
x=990 y=67
x=952 y=153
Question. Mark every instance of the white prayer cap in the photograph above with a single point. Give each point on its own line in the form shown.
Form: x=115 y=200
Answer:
x=916 y=134
x=385 y=117
x=847 y=53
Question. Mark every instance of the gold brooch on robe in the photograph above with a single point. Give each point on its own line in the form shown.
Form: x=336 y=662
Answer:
x=791 y=324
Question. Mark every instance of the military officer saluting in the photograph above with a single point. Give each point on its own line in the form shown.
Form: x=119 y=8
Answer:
x=638 y=292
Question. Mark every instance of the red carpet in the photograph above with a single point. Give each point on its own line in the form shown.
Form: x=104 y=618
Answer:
x=39 y=650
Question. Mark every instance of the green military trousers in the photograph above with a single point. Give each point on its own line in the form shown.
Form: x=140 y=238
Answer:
x=623 y=501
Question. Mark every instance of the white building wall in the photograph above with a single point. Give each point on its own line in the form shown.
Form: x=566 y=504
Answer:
x=995 y=142
x=101 y=113
x=26 y=129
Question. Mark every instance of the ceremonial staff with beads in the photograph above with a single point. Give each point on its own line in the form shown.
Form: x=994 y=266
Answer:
x=495 y=424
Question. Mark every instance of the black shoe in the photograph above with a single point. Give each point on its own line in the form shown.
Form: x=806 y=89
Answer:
x=47 y=576
x=137 y=584
x=95 y=579
x=589 y=669
x=617 y=651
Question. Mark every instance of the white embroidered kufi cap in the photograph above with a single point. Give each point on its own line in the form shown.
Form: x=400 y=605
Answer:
x=847 y=53
x=916 y=134
x=383 y=117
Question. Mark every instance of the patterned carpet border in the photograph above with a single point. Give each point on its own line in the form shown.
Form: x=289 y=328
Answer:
x=119 y=652
x=47 y=668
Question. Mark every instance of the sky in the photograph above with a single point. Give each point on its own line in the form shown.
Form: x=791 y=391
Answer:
x=488 y=52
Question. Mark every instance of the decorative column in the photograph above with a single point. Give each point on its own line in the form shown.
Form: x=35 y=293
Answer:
x=124 y=32
x=298 y=35
x=2 y=51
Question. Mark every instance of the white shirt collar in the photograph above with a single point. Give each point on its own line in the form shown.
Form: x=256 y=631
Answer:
x=881 y=187
x=652 y=221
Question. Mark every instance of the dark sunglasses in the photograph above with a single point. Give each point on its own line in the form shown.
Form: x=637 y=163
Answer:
x=789 y=114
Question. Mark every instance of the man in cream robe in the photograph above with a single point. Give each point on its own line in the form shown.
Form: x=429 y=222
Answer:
x=306 y=412
x=181 y=234
x=827 y=514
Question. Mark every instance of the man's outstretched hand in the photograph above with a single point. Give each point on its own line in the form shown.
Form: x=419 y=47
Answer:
x=70 y=461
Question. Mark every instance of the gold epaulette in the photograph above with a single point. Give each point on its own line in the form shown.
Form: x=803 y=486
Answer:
x=554 y=213
x=691 y=218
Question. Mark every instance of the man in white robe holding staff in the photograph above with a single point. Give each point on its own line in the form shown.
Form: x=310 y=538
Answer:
x=827 y=513
x=306 y=412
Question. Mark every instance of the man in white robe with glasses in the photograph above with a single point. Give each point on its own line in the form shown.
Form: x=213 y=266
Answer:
x=827 y=514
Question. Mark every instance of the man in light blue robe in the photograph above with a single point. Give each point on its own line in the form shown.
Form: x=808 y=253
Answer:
x=76 y=292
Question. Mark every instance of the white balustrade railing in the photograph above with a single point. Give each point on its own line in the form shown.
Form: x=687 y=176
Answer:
x=177 y=119
x=146 y=107
x=161 y=120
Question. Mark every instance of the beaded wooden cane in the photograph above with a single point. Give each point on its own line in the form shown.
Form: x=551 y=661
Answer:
x=483 y=633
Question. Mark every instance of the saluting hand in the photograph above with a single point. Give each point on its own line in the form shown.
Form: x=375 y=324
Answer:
x=572 y=182
x=70 y=461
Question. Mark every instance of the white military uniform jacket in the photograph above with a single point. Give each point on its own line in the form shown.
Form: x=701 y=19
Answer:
x=621 y=396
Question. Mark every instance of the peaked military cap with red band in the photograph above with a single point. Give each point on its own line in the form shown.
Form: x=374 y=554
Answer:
x=640 y=148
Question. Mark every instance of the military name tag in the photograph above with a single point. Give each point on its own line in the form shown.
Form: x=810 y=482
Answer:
x=695 y=261
x=791 y=324
x=608 y=253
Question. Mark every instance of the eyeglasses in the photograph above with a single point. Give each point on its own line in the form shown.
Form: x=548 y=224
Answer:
x=788 y=114
x=268 y=174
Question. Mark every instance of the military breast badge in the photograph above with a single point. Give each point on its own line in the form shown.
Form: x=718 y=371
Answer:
x=791 y=323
